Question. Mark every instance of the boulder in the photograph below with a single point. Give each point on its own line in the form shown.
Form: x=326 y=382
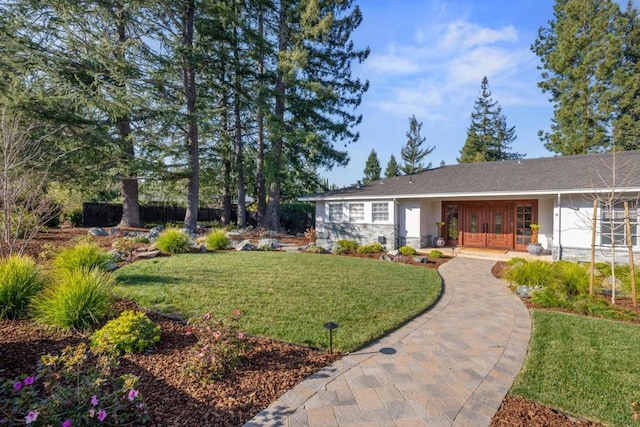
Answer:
x=526 y=291
x=386 y=257
x=198 y=247
x=245 y=245
x=608 y=282
x=155 y=232
x=394 y=252
x=110 y=267
x=114 y=231
x=269 y=244
x=146 y=254
x=420 y=259
x=97 y=231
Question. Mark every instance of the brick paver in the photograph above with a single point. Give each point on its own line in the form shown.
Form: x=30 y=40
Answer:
x=452 y=365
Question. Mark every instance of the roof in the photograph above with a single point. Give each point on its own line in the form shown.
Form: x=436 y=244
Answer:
x=585 y=173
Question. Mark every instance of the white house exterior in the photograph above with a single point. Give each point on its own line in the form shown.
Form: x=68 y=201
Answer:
x=491 y=205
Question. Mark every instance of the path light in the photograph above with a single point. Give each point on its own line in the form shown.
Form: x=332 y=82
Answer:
x=331 y=326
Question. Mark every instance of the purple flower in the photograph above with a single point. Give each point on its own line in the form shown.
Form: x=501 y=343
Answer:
x=29 y=380
x=132 y=394
x=141 y=406
x=94 y=400
x=102 y=414
x=240 y=335
x=17 y=386
x=31 y=417
x=207 y=316
x=66 y=423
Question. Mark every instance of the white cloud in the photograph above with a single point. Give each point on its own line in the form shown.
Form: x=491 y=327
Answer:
x=463 y=35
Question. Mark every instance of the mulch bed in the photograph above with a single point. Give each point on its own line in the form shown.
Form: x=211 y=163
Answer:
x=269 y=370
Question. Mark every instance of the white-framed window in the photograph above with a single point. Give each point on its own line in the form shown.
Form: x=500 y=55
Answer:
x=612 y=225
x=380 y=212
x=356 y=212
x=336 y=212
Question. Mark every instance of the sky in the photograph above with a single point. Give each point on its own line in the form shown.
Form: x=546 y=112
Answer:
x=428 y=58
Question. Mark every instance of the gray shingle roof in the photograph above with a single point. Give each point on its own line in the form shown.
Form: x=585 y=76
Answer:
x=547 y=175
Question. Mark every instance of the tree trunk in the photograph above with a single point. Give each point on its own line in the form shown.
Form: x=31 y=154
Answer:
x=189 y=84
x=261 y=192
x=242 y=208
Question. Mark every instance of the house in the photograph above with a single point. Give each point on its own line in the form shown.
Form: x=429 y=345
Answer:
x=491 y=205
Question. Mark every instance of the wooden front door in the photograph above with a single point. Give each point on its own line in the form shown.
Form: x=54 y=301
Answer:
x=487 y=225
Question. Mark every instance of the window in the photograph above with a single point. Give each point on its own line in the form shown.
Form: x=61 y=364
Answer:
x=356 y=212
x=380 y=212
x=613 y=224
x=336 y=213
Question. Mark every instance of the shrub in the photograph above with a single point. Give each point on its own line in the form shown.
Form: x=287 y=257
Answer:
x=315 y=250
x=371 y=248
x=436 y=254
x=548 y=297
x=131 y=332
x=173 y=241
x=571 y=279
x=348 y=245
x=83 y=255
x=219 y=347
x=73 y=389
x=217 y=240
x=407 y=250
x=76 y=299
x=531 y=273
x=20 y=280
x=125 y=244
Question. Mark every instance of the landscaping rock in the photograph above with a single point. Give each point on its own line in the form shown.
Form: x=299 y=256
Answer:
x=526 y=291
x=394 y=252
x=155 y=232
x=97 y=231
x=420 y=259
x=111 y=266
x=114 y=231
x=146 y=254
x=608 y=282
x=269 y=244
x=198 y=247
x=245 y=245
x=386 y=257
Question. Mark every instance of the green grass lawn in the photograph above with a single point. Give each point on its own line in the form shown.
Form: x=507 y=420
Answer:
x=584 y=366
x=287 y=296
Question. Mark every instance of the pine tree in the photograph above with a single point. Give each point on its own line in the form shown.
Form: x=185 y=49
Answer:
x=488 y=137
x=579 y=50
x=392 y=168
x=412 y=153
x=372 y=168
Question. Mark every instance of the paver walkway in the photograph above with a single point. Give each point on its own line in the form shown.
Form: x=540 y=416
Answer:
x=452 y=365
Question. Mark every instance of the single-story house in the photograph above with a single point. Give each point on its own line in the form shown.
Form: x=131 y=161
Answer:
x=492 y=205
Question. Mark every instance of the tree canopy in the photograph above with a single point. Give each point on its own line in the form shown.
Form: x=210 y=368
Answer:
x=372 y=168
x=412 y=153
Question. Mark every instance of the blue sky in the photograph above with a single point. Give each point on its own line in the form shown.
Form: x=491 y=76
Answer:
x=428 y=58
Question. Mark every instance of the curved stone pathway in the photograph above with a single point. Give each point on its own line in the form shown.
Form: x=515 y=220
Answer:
x=452 y=365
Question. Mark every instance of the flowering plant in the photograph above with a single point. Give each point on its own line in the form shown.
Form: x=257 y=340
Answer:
x=75 y=388
x=219 y=347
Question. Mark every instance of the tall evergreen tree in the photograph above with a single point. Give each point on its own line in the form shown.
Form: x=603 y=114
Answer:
x=579 y=50
x=488 y=137
x=372 y=168
x=412 y=153
x=392 y=167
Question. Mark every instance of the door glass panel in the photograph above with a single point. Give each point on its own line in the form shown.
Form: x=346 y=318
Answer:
x=524 y=218
x=451 y=222
x=497 y=223
x=473 y=226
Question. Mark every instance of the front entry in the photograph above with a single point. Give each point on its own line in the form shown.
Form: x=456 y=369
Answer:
x=492 y=224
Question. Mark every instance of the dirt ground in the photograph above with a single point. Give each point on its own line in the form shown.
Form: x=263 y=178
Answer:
x=268 y=371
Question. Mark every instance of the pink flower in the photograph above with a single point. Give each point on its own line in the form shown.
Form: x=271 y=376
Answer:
x=240 y=335
x=141 y=406
x=236 y=313
x=31 y=417
x=207 y=316
x=94 y=400
x=216 y=334
x=66 y=423
x=188 y=330
x=17 y=386
x=29 y=380
x=92 y=413
x=102 y=414
x=132 y=395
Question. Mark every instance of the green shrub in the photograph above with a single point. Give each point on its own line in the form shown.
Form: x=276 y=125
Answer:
x=83 y=255
x=371 y=248
x=20 y=280
x=75 y=388
x=407 y=250
x=516 y=260
x=77 y=299
x=219 y=347
x=348 y=245
x=436 y=254
x=217 y=240
x=315 y=250
x=131 y=332
x=531 y=273
x=173 y=241
x=589 y=305
x=548 y=297
x=141 y=239
x=571 y=279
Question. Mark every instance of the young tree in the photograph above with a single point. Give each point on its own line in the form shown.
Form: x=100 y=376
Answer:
x=372 y=168
x=488 y=137
x=412 y=153
x=392 y=167
x=580 y=50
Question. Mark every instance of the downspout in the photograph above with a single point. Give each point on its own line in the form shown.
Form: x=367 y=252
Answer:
x=559 y=227
x=396 y=223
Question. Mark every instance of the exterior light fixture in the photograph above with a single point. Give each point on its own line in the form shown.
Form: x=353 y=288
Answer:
x=331 y=326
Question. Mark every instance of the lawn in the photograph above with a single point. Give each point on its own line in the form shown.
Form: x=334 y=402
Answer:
x=581 y=365
x=286 y=296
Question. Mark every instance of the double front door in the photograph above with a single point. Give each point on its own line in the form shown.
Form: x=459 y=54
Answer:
x=493 y=224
